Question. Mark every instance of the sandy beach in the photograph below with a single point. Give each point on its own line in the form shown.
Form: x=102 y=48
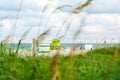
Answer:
x=64 y=52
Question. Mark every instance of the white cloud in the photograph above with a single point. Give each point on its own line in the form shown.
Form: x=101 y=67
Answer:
x=103 y=19
x=6 y=27
x=96 y=6
x=94 y=24
x=93 y=29
x=41 y=2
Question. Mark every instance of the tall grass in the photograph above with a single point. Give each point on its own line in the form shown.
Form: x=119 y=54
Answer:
x=90 y=66
x=97 y=64
x=17 y=17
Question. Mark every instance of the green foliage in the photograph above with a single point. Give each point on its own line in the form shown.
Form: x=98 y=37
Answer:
x=105 y=50
x=82 y=67
x=95 y=65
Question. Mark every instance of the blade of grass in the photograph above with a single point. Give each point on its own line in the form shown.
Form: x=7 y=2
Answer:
x=16 y=20
x=42 y=13
x=22 y=38
x=55 y=73
x=54 y=11
x=79 y=8
x=112 y=62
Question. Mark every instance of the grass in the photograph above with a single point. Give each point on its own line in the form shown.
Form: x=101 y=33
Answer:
x=98 y=64
x=91 y=66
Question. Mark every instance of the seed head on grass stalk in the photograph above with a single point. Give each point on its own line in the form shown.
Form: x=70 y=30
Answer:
x=39 y=40
x=16 y=20
x=77 y=11
x=77 y=33
x=79 y=30
x=54 y=11
x=21 y=39
x=60 y=37
x=61 y=26
x=6 y=40
x=79 y=8
x=47 y=5
x=42 y=36
x=4 y=43
x=60 y=8
x=71 y=55
x=67 y=28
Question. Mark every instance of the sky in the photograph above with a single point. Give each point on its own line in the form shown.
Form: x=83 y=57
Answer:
x=98 y=21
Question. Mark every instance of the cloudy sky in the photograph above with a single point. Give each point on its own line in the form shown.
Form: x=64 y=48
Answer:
x=100 y=20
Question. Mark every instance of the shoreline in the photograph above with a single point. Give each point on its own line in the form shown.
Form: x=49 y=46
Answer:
x=63 y=52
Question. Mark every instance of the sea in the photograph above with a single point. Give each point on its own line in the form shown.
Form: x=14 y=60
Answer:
x=64 y=45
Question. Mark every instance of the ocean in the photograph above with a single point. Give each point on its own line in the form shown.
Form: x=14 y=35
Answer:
x=65 y=45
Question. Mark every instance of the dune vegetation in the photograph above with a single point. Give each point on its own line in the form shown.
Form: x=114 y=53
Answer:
x=97 y=64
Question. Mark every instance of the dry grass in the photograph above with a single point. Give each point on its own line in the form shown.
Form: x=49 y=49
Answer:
x=55 y=73
x=17 y=17
x=79 y=8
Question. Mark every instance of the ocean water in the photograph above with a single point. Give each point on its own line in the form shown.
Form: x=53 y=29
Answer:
x=65 y=45
x=94 y=45
x=22 y=45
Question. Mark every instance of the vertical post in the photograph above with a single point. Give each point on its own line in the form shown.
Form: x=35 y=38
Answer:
x=34 y=46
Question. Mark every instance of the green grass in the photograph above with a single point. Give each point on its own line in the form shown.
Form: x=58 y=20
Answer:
x=99 y=64
x=92 y=66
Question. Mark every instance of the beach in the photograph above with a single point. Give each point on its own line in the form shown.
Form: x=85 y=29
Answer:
x=64 y=52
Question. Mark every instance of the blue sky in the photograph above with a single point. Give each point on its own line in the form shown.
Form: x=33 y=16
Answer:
x=101 y=19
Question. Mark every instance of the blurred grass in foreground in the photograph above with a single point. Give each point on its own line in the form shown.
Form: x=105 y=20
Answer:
x=91 y=66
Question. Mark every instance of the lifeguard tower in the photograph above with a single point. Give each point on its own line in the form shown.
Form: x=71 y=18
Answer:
x=55 y=44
